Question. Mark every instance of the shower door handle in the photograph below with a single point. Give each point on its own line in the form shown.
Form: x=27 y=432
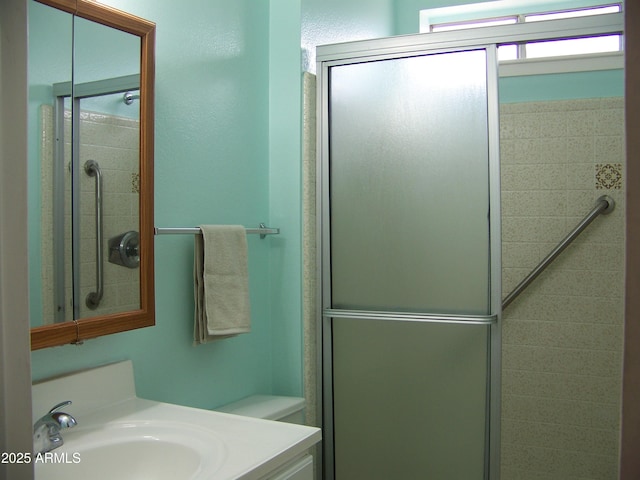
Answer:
x=92 y=169
x=411 y=317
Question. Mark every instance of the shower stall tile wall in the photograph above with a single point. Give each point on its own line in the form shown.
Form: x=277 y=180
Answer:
x=562 y=338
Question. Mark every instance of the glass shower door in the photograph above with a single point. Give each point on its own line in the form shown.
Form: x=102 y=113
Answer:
x=407 y=293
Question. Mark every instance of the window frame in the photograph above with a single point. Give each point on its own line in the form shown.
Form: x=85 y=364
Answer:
x=593 y=25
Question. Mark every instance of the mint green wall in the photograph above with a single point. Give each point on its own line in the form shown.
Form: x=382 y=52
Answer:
x=334 y=21
x=562 y=86
x=285 y=195
x=407 y=13
x=96 y=47
x=211 y=166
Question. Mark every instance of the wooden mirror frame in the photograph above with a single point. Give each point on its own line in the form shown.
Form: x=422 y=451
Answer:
x=78 y=330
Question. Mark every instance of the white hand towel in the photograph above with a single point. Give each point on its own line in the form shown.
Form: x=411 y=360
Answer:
x=221 y=283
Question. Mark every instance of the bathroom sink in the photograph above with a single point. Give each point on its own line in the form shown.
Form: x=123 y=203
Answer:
x=119 y=436
x=134 y=451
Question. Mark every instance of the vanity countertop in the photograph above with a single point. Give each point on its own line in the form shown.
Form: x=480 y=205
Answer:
x=243 y=447
x=116 y=427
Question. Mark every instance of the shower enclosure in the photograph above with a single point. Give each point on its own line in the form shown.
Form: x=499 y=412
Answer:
x=410 y=252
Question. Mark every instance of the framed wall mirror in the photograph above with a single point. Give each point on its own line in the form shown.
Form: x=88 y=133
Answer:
x=91 y=91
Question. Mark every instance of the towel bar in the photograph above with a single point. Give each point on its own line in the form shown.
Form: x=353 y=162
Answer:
x=262 y=230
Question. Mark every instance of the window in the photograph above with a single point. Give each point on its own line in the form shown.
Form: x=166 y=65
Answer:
x=490 y=22
x=548 y=48
x=583 y=12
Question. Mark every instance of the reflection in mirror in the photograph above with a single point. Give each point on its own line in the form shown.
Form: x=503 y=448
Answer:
x=98 y=126
x=91 y=170
x=50 y=60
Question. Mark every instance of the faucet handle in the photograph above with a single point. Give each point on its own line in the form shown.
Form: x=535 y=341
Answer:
x=46 y=431
x=60 y=405
x=63 y=419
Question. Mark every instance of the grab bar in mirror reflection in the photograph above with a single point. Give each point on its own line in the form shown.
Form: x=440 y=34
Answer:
x=92 y=169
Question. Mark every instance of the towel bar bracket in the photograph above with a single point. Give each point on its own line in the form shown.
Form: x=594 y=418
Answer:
x=262 y=226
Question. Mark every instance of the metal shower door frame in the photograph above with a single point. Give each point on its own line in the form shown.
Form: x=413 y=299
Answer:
x=388 y=49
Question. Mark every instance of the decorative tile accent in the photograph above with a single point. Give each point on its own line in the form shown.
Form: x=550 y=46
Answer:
x=135 y=183
x=608 y=176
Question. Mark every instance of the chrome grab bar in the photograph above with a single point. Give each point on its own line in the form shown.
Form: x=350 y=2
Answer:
x=604 y=206
x=92 y=169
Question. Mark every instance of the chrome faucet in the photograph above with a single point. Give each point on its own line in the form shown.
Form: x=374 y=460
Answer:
x=46 y=431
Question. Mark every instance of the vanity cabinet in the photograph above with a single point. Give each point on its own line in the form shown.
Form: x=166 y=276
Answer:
x=299 y=469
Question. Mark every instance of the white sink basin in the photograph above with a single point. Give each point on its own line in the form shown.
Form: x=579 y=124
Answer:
x=135 y=451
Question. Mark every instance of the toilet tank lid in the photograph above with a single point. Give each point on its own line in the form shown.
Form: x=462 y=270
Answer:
x=270 y=407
